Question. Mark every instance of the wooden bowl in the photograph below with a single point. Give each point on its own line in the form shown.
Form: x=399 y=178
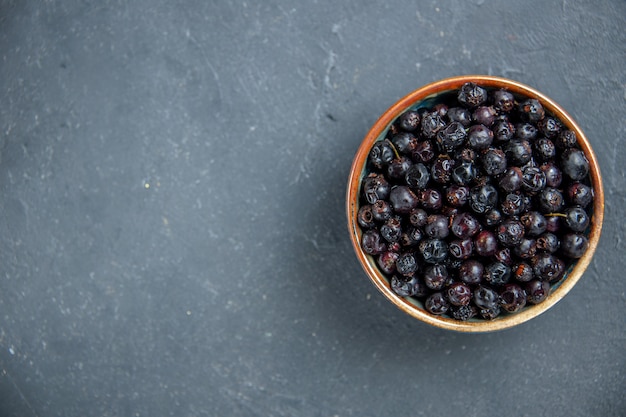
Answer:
x=427 y=96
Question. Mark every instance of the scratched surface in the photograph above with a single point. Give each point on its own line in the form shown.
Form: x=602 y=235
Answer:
x=172 y=228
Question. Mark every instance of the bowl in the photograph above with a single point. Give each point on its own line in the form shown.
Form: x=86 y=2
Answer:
x=427 y=96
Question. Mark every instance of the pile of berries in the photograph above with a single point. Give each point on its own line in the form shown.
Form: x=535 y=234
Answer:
x=476 y=206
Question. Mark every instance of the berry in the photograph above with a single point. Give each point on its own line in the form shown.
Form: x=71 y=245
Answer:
x=484 y=115
x=435 y=276
x=387 y=262
x=391 y=230
x=531 y=110
x=406 y=264
x=534 y=223
x=471 y=271
x=574 y=164
x=550 y=200
x=579 y=194
x=497 y=273
x=418 y=217
x=451 y=137
x=381 y=210
x=526 y=248
x=365 y=217
x=553 y=174
x=511 y=180
x=503 y=100
x=544 y=149
x=403 y=286
x=411 y=237
x=510 y=232
x=483 y=198
x=459 y=294
x=492 y=218
x=522 y=272
x=372 y=242
x=576 y=219
x=431 y=199
x=424 y=151
x=433 y=250
x=549 y=126
x=457 y=195
x=537 y=291
x=381 y=154
x=485 y=243
x=402 y=199
x=398 y=168
x=533 y=179
x=574 y=245
x=525 y=131
x=464 y=225
x=463 y=313
x=503 y=131
x=437 y=304
x=409 y=121
x=548 y=242
x=464 y=172
x=566 y=139
x=485 y=297
x=472 y=95
x=417 y=176
x=461 y=115
x=437 y=226
x=518 y=151
x=442 y=169
x=479 y=137
x=494 y=161
x=512 y=298
x=431 y=124
x=461 y=248
x=548 y=267
x=375 y=187
x=513 y=204
x=404 y=142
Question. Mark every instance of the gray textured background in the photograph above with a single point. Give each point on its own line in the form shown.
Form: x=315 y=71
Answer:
x=172 y=232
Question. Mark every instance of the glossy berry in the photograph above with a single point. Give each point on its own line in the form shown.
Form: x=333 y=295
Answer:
x=442 y=169
x=373 y=243
x=526 y=249
x=525 y=131
x=437 y=226
x=485 y=243
x=484 y=115
x=553 y=223
x=461 y=115
x=404 y=142
x=548 y=242
x=431 y=199
x=574 y=164
x=472 y=95
x=533 y=179
x=579 y=194
x=537 y=291
x=513 y=204
x=402 y=285
x=435 y=276
x=511 y=180
x=375 y=187
x=503 y=100
x=576 y=219
x=381 y=210
x=398 y=168
x=461 y=248
x=548 y=267
x=381 y=154
x=411 y=237
x=510 y=232
x=483 y=198
x=402 y=199
x=387 y=262
x=512 y=298
x=549 y=127
x=471 y=271
x=574 y=245
x=566 y=139
x=365 y=217
x=424 y=151
x=550 y=200
x=493 y=218
x=544 y=149
x=485 y=297
x=391 y=230
x=522 y=272
x=418 y=217
x=451 y=137
x=437 y=304
x=497 y=273
x=433 y=250
x=464 y=225
x=553 y=174
x=459 y=294
x=406 y=264
x=531 y=110
x=534 y=223
x=417 y=176
x=503 y=254
x=503 y=131
x=431 y=124
x=409 y=121
x=479 y=137
x=457 y=195
x=518 y=151
x=464 y=172
x=494 y=162
x=463 y=313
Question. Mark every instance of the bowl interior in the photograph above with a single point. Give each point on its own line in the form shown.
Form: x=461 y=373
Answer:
x=428 y=96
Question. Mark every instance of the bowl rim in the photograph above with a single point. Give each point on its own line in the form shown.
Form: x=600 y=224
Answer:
x=354 y=185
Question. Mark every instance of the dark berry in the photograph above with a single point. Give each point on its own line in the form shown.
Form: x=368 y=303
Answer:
x=485 y=243
x=497 y=273
x=391 y=230
x=418 y=217
x=549 y=126
x=485 y=297
x=437 y=226
x=464 y=225
x=483 y=198
x=441 y=109
x=459 y=294
x=461 y=115
x=493 y=218
x=494 y=162
x=531 y=110
x=431 y=124
x=402 y=199
x=510 y=232
x=511 y=180
x=547 y=267
x=484 y=115
x=574 y=164
x=533 y=179
x=518 y=151
x=463 y=313
x=479 y=137
x=548 y=242
x=576 y=219
x=472 y=95
x=387 y=262
x=534 y=223
x=513 y=204
x=544 y=149
x=537 y=291
x=406 y=264
x=451 y=137
x=490 y=313
x=457 y=195
x=403 y=286
x=574 y=245
x=550 y=200
x=464 y=173
x=442 y=169
x=435 y=276
x=437 y=304
x=553 y=174
x=409 y=121
x=526 y=249
x=433 y=250
x=512 y=298
x=398 y=168
x=465 y=154
x=461 y=248
x=525 y=131
x=372 y=242
x=424 y=151
x=404 y=142
x=522 y=272
x=365 y=217
x=579 y=194
x=503 y=131
x=503 y=254
x=553 y=224
x=411 y=237
x=381 y=154
x=503 y=100
x=375 y=187
x=471 y=271
x=417 y=176
x=381 y=210
x=431 y=199
x=566 y=139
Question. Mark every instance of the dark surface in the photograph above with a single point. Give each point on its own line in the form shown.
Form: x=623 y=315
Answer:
x=172 y=232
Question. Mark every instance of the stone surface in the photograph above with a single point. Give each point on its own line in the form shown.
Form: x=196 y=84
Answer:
x=172 y=231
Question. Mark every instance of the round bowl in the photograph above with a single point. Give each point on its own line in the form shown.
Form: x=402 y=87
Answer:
x=427 y=96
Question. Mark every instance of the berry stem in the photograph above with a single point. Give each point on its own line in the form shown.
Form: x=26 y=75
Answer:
x=555 y=215
x=395 y=151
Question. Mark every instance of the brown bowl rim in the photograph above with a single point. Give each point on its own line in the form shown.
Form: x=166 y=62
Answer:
x=354 y=183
